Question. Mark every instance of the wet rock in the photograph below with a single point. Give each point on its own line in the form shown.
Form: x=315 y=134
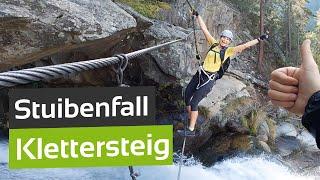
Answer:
x=241 y=142
x=307 y=141
x=221 y=144
x=226 y=144
x=305 y=162
x=286 y=129
x=192 y=143
x=282 y=113
x=233 y=126
x=263 y=132
x=203 y=133
x=287 y=144
x=264 y=146
x=263 y=137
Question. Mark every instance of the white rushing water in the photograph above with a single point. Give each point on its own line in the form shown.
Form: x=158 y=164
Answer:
x=3 y=150
x=235 y=168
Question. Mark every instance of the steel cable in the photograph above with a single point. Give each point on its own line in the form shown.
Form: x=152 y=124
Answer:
x=25 y=76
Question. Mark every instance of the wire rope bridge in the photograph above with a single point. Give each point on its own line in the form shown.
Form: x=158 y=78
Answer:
x=45 y=73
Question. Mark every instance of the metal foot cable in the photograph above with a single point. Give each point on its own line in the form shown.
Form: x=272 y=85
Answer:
x=133 y=174
x=181 y=158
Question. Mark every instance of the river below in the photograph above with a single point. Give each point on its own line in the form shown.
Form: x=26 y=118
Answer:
x=255 y=167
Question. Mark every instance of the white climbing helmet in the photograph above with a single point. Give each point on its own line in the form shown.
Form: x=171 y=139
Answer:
x=227 y=33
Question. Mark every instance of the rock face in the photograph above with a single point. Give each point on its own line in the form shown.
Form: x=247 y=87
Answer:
x=35 y=29
x=263 y=132
x=177 y=60
x=307 y=141
x=287 y=144
x=286 y=129
x=216 y=14
x=224 y=87
x=264 y=146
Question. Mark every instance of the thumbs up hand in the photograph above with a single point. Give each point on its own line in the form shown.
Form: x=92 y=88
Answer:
x=292 y=87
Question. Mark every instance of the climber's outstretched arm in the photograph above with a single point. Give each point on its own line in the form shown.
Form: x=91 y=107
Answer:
x=240 y=48
x=204 y=29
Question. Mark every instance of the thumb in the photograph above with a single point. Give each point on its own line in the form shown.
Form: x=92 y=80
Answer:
x=308 y=62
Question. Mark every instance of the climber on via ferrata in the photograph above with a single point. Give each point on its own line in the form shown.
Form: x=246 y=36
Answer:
x=215 y=64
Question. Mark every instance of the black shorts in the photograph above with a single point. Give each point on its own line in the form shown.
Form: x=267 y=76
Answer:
x=192 y=95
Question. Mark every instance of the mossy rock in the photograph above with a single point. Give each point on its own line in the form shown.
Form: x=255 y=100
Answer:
x=204 y=111
x=241 y=142
x=237 y=106
x=148 y=8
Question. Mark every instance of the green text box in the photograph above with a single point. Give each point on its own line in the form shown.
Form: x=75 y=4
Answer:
x=91 y=146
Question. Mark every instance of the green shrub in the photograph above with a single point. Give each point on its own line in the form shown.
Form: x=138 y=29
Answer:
x=233 y=108
x=205 y=112
x=148 y=8
x=255 y=119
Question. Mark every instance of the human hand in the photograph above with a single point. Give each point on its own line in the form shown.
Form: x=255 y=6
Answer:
x=195 y=13
x=292 y=87
x=264 y=37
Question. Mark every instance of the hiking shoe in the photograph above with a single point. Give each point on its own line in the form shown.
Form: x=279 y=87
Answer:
x=186 y=132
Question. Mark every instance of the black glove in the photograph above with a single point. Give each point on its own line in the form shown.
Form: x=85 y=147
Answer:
x=195 y=13
x=198 y=56
x=263 y=37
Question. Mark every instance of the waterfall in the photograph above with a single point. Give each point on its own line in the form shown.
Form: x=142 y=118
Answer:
x=246 y=168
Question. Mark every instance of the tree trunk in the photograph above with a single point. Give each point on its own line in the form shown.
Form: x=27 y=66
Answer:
x=289 y=28
x=261 y=49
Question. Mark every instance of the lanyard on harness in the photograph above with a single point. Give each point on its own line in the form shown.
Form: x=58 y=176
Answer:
x=210 y=77
x=214 y=75
x=198 y=57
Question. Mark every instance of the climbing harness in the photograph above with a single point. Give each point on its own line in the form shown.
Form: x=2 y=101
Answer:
x=211 y=77
x=216 y=75
x=225 y=62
